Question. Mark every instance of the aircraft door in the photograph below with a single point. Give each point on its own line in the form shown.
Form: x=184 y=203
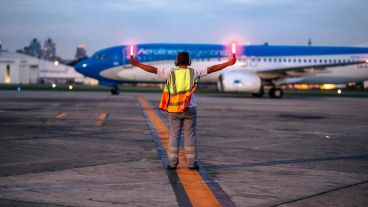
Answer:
x=244 y=61
x=126 y=63
x=253 y=62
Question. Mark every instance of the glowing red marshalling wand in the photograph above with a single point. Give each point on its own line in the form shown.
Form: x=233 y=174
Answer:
x=131 y=51
x=233 y=49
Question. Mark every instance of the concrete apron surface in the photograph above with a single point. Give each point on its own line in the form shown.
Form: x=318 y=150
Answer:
x=94 y=149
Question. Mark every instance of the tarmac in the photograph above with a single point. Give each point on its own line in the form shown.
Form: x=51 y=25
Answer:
x=95 y=149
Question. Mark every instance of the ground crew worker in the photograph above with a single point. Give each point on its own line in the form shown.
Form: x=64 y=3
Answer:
x=179 y=101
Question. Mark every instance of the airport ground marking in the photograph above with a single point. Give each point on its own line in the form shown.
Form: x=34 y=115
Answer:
x=58 y=116
x=216 y=189
x=61 y=115
x=101 y=119
x=319 y=194
x=196 y=188
x=178 y=188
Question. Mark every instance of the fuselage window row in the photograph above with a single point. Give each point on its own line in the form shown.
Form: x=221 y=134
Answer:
x=244 y=59
x=295 y=60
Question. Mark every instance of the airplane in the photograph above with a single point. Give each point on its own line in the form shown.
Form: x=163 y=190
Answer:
x=257 y=67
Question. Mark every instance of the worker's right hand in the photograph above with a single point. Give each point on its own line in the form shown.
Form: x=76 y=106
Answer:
x=232 y=61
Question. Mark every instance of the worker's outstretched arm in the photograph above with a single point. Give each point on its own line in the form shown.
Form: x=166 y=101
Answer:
x=145 y=67
x=221 y=66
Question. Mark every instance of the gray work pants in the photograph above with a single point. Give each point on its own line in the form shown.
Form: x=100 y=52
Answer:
x=185 y=121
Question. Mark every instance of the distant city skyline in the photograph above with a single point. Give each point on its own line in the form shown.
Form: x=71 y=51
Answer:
x=101 y=24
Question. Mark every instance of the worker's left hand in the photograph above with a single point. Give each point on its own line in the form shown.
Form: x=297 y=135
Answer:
x=133 y=61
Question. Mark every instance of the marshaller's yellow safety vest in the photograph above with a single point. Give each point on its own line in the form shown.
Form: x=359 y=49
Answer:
x=178 y=90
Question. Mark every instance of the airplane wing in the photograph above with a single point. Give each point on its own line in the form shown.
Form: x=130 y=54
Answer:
x=287 y=71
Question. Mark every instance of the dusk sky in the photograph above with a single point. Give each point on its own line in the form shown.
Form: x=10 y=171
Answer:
x=101 y=24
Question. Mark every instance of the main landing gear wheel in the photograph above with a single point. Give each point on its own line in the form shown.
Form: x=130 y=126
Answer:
x=259 y=94
x=115 y=91
x=275 y=92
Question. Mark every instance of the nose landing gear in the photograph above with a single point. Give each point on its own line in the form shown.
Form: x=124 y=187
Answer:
x=259 y=94
x=115 y=91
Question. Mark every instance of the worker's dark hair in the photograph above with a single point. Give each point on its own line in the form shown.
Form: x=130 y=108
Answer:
x=183 y=59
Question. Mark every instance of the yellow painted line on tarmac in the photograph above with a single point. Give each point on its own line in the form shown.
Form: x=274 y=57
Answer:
x=60 y=115
x=195 y=187
x=101 y=118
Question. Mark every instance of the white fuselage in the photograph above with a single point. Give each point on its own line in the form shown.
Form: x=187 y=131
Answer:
x=311 y=74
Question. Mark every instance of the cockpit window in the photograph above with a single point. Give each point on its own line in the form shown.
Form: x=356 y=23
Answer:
x=100 y=56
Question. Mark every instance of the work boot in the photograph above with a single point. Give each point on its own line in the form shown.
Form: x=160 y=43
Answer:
x=194 y=166
x=171 y=167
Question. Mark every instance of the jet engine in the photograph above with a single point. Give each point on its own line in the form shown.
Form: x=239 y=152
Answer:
x=239 y=81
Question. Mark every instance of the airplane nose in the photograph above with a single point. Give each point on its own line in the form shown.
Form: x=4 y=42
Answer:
x=78 y=64
x=81 y=66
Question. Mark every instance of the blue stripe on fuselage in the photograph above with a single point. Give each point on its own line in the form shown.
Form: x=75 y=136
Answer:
x=266 y=50
x=162 y=52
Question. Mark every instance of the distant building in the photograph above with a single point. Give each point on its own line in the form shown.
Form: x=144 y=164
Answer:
x=17 y=68
x=49 y=50
x=34 y=49
x=80 y=52
x=1 y=48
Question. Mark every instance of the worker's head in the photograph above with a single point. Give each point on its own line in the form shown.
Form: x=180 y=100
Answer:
x=183 y=59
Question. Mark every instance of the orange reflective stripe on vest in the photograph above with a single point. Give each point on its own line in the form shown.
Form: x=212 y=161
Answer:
x=178 y=90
